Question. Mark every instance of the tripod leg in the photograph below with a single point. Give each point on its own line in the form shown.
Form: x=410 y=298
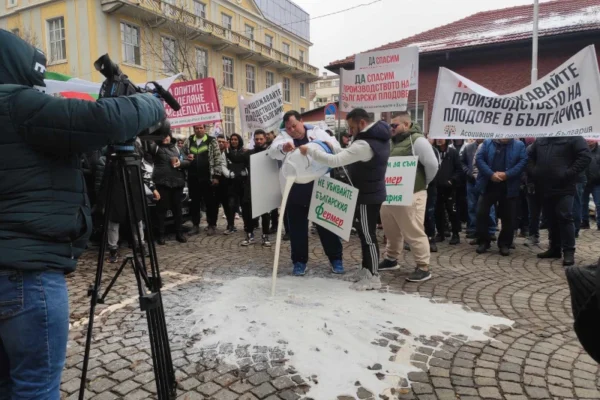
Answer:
x=114 y=280
x=93 y=291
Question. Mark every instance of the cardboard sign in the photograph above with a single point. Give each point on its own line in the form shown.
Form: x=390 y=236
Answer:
x=400 y=180
x=199 y=103
x=332 y=206
x=403 y=56
x=263 y=110
x=566 y=102
x=264 y=180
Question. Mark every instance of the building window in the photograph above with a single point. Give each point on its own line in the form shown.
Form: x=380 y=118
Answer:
x=335 y=83
x=199 y=9
x=302 y=110
x=301 y=55
x=286 y=90
x=250 y=79
x=302 y=89
x=169 y=50
x=12 y=3
x=201 y=63
x=285 y=48
x=226 y=21
x=269 y=41
x=249 y=32
x=130 y=37
x=229 y=120
x=335 y=97
x=228 y=72
x=420 y=119
x=270 y=79
x=57 y=41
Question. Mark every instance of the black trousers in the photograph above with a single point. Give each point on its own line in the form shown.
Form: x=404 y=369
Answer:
x=297 y=216
x=170 y=199
x=445 y=204
x=203 y=192
x=506 y=211
x=430 y=211
x=274 y=220
x=250 y=223
x=534 y=202
x=462 y=208
x=367 y=216
x=559 y=212
x=223 y=198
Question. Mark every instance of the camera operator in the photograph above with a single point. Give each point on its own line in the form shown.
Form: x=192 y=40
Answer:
x=44 y=210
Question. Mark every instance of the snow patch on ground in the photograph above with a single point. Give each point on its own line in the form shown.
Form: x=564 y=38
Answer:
x=328 y=330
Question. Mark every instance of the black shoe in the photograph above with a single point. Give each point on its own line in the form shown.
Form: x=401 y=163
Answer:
x=455 y=239
x=569 y=259
x=433 y=246
x=549 y=254
x=471 y=236
x=474 y=242
x=406 y=246
x=419 y=276
x=482 y=248
x=504 y=251
x=440 y=238
x=447 y=233
x=388 y=265
x=585 y=226
x=113 y=256
x=286 y=237
x=524 y=233
x=196 y=230
x=180 y=238
x=161 y=240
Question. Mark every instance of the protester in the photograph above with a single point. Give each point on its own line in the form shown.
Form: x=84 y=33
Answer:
x=204 y=171
x=297 y=134
x=236 y=163
x=366 y=158
x=260 y=145
x=225 y=186
x=534 y=200
x=402 y=223
x=592 y=186
x=446 y=181
x=169 y=178
x=429 y=223
x=500 y=164
x=555 y=163
x=275 y=213
x=461 y=205
x=577 y=201
x=46 y=224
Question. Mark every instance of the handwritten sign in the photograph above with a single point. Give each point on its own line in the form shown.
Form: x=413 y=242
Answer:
x=400 y=180
x=332 y=206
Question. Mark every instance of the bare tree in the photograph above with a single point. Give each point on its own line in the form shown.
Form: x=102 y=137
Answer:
x=27 y=35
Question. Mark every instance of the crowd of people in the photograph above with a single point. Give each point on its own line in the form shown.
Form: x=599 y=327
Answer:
x=488 y=190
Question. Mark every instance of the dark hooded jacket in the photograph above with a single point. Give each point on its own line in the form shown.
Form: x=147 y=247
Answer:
x=236 y=158
x=450 y=171
x=44 y=209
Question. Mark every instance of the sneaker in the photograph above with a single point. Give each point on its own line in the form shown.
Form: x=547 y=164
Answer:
x=569 y=259
x=504 y=251
x=313 y=229
x=113 y=257
x=534 y=240
x=433 y=246
x=265 y=241
x=585 y=225
x=368 y=282
x=524 y=233
x=249 y=239
x=210 y=231
x=482 y=248
x=474 y=242
x=299 y=269
x=161 y=240
x=419 y=276
x=337 y=267
x=196 y=230
x=353 y=231
x=180 y=237
x=237 y=216
x=455 y=239
x=286 y=237
x=550 y=253
x=230 y=230
x=406 y=247
x=440 y=238
x=388 y=265
x=358 y=275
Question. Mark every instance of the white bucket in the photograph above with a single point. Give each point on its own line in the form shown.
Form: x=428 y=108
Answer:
x=303 y=168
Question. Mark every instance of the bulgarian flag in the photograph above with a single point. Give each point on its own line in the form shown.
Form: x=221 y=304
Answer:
x=75 y=88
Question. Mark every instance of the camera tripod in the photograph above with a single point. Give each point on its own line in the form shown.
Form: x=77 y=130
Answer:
x=123 y=164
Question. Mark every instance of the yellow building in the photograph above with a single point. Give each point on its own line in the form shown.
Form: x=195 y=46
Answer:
x=246 y=45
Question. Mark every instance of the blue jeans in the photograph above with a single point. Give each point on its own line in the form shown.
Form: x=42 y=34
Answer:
x=34 y=329
x=472 y=199
x=577 y=207
x=585 y=204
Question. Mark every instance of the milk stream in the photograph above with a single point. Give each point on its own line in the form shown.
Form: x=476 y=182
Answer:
x=289 y=182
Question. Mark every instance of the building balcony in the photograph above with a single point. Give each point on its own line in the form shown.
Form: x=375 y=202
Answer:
x=159 y=13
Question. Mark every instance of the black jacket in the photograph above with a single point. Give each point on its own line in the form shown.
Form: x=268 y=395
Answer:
x=555 y=164
x=44 y=209
x=467 y=158
x=450 y=168
x=236 y=159
x=593 y=170
x=164 y=174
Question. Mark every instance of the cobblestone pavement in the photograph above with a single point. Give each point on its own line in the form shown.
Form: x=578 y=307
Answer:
x=538 y=358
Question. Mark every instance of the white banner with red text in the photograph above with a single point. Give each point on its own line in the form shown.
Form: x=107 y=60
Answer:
x=565 y=102
x=332 y=206
x=264 y=110
x=400 y=180
x=403 y=56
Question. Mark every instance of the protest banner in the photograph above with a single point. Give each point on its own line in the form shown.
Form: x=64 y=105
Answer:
x=332 y=206
x=404 y=56
x=566 y=102
x=264 y=180
x=263 y=110
x=199 y=103
x=377 y=90
x=400 y=180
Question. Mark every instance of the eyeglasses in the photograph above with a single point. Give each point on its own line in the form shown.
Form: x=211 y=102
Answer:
x=394 y=126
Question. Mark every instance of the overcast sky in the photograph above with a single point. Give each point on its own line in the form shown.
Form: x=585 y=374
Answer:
x=338 y=36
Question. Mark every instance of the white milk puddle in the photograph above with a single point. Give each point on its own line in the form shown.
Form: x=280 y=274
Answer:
x=327 y=330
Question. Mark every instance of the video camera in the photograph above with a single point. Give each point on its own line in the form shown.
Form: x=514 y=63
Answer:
x=118 y=84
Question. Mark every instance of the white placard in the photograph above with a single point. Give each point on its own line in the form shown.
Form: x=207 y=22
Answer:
x=566 y=102
x=400 y=180
x=405 y=56
x=264 y=180
x=332 y=206
x=264 y=110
